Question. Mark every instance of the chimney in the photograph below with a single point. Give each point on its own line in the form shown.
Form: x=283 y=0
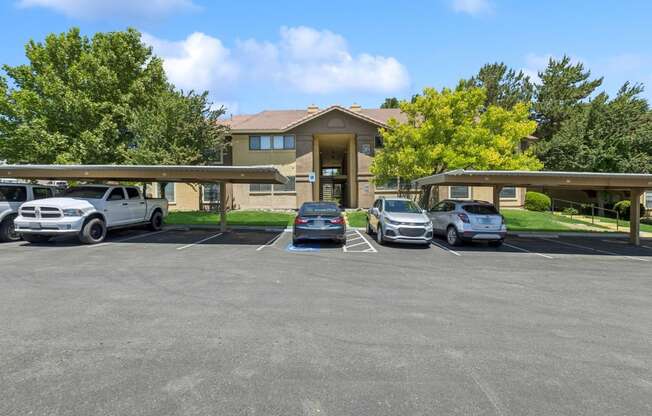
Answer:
x=355 y=108
x=312 y=109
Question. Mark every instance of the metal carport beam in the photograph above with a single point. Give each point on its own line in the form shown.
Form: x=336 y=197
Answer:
x=635 y=183
x=151 y=173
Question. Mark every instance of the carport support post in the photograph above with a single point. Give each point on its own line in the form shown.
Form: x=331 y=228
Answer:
x=497 y=190
x=635 y=217
x=222 y=206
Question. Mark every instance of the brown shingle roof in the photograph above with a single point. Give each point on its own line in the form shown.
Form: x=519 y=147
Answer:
x=282 y=120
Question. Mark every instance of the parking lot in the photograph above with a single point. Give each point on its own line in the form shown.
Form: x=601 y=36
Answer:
x=199 y=322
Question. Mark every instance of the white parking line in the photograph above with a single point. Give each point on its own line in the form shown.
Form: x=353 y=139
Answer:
x=200 y=241
x=106 y=243
x=445 y=248
x=528 y=251
x=370 y=249
x=270 y=242
x=611 y=253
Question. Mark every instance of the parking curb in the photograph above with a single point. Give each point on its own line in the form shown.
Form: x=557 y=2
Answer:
x=542 y=234
x=182 y=227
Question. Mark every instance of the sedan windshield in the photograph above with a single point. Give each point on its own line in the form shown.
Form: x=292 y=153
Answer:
x=401 y=206
x=90 y=192
x=319 y=209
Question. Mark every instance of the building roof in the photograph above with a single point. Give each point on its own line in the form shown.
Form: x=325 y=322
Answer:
x=520 y=178
x=283 y=120
x=147 y=173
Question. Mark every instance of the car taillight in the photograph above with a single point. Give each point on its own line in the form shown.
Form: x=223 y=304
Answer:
x=338 y=220
x=299 y=220
x=502 y=220
x=464 y=218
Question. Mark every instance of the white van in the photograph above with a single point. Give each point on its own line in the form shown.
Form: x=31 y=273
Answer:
x=12 y=195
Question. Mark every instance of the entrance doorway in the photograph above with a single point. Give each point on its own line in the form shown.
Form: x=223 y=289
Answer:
x=334 y=169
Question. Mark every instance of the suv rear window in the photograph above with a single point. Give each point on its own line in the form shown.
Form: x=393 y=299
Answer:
x=319 y=209
x=13 y=194
x=480 y=209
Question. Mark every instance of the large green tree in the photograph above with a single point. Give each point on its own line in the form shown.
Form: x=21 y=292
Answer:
x=504 y=86
x=390 y=102
x=103 y=99
x=452 y=129
x=604 y=135
x=563 y=89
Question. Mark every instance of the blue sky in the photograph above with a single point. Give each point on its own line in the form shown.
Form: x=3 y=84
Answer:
x=255 y=55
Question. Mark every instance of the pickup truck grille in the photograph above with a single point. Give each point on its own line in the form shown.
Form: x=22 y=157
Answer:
x=41 y=212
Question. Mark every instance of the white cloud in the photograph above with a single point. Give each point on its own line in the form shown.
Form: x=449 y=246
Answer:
x=303 y=59
x=94 y=9
x=200 y=62
x=472 y=7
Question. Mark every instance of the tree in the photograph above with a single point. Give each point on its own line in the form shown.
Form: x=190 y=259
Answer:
x=391 y=102
x=447 y=130
x=563 y=89
x=604 y=136
x=100 y=100
x=505 y=87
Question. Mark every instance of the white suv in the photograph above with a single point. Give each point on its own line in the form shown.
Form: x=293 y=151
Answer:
x=12 y=195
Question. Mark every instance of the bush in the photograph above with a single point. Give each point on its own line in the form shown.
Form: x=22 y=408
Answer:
x=623 y=209
x=535 y=201
x=570 y=211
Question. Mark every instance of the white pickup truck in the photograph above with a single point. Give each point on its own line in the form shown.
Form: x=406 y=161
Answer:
x=88 y=211
x=12 y=195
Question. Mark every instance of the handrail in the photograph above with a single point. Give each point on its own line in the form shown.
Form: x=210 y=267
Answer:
x=586 y=205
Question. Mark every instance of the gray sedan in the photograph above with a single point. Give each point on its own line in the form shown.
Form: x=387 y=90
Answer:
x=319 y=221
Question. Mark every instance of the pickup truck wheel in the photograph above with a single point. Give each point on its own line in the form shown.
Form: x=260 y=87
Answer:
x=36 y=238
x=8 y=230
x=93 y=231
x=156 y=222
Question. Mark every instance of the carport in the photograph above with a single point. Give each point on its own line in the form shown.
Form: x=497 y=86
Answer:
x=151 y=173
x=635 y=183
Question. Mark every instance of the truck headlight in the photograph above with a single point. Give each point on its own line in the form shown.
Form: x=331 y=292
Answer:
x=72 y=212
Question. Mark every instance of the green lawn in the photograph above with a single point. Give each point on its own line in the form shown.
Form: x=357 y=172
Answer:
x=522 y=220
x=357 y=218
x=252 y=218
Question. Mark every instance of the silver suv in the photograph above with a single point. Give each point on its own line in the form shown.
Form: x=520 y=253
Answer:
x=462 y=221
x=399 y=220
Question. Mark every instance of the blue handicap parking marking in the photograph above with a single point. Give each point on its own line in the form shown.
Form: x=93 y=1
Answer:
x=304 y=248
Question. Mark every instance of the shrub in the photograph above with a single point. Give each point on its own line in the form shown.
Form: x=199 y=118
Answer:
x=623 y=209
x=535 y=201
x=570 y=211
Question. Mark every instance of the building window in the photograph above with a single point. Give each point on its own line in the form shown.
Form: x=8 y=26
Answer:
x=287 y=187
x=459 y=192
x=508 y=192
x=169 y=192
x=260 y=187
x=648 y=200
x=390 y=185
x=210 y=193
x=271 y=142
x=378 y=142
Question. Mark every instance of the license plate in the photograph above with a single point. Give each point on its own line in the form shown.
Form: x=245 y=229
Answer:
x=319 y=223
x=485 y=220
x=35 y=225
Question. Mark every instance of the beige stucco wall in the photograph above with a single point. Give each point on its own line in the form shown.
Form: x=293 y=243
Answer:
x=186 y=197
x=485 y=193
x=283 y=160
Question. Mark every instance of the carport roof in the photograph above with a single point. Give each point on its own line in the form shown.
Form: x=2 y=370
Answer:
x=570 y=180
x=147 y=173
